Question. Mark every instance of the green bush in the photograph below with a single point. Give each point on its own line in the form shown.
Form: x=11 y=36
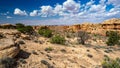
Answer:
x=58 y=39
x=48 y=49
x=46 y=32
x=109 y=63
x=113 y=38
x=20 y=25
x=24 y=29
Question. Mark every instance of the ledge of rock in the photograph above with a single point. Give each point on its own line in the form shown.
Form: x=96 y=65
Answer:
x=8 y=48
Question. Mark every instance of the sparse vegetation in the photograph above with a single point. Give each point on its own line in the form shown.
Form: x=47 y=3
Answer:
x=24 y=29
x=58 y=39
x=70 y=34
x=82 y=37
x=48 y=49
x=45 y=31
x=110 y=63
x=20 y=25
x=113 y=38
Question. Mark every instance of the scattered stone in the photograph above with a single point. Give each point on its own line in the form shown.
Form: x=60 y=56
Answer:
x=1 y=36
x=17 y=35
x=42 y=52
x=88 y=50
x=20 y=41
x=49 y=57
x=53 y=63
x=26 y=37
x=108 y=50
x=63 y=50
x=34 y=52
x=36 y=41
x=22 y=61
x=73 y=50
x=82 y=66
x=89 y=55
x=41 y=42
x=47 y=64
x=48 y=49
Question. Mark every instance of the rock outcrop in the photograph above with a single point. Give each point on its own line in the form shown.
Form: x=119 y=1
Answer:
x=8 y=48
x=112 y=24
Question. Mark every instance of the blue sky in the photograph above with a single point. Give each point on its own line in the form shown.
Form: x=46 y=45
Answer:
x=50 y=12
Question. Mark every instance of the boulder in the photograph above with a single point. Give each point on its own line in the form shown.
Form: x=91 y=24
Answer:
x=8 y=48
x=25 y=37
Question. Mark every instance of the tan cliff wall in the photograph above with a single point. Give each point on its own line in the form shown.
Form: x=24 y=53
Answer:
x=101 y=28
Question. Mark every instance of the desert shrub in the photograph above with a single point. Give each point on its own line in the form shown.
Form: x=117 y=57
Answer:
x=7 y=63
x=82 y=37
x=8 y=26
x=44 y=31
x=29 y=29
x=107 y=33
x=113 y=38
x=58 y=39
x=70 y=35
x=110 y=63
x=24 y=29
x=20 y=25
x=48 y=49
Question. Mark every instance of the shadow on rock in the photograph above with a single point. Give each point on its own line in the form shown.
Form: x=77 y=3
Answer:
x=23 y=54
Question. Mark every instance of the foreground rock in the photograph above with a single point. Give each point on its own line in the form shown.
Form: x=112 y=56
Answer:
x=8 y=48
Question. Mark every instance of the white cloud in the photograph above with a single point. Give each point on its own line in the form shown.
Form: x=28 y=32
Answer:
x=34 y=13
x=114 y=2
x=46 y=11
x=90 y=3
x=102 y=2
x=58 y=9
x=71 y=6
x=17 y=11
x=8 y=17
x=97 y=8
x=74 y=12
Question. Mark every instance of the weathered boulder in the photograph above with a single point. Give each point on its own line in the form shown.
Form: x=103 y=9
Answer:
x=8 y=48
x=25 y=37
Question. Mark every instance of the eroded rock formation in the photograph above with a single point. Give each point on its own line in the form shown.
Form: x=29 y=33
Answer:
x=8 y=48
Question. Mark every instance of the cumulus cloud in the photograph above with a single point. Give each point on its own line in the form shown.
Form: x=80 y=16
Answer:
x=97 y=8
x=102 y=2
x=46 y=11
x=17 y=11
x=114 y=2
x=90 y=3
x=71 y=6
x=34 y=13
x=72 y=11
x=58 y=9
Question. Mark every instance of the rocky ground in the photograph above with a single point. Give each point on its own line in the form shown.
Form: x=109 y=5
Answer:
x=38 y=52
